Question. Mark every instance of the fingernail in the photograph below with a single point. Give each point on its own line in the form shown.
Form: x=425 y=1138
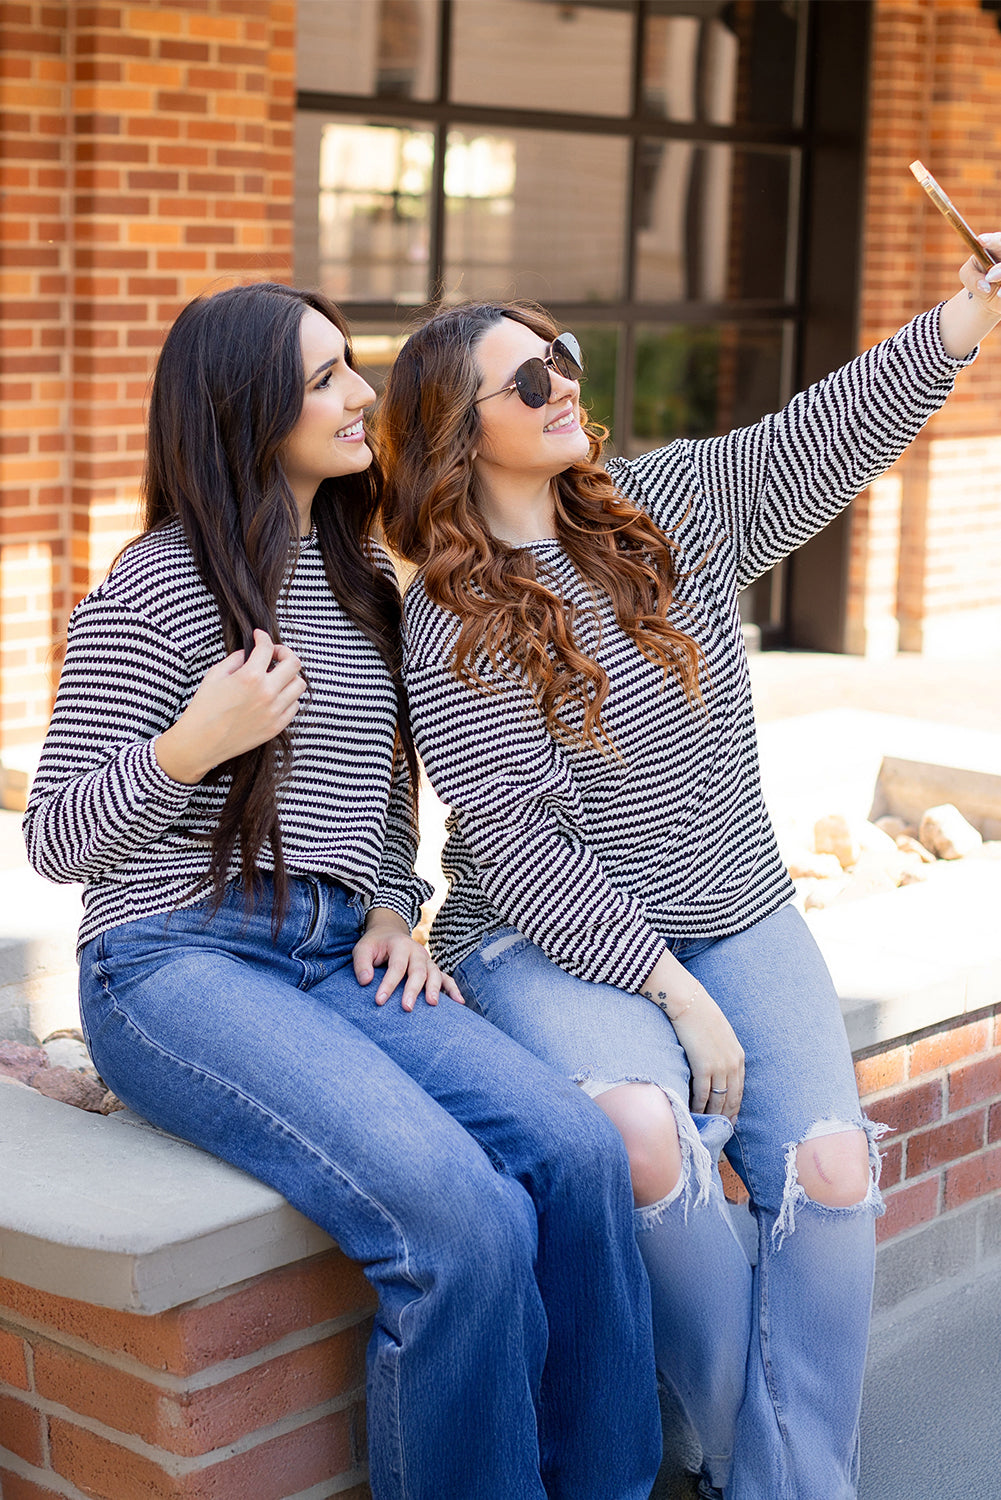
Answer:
x=984 y=286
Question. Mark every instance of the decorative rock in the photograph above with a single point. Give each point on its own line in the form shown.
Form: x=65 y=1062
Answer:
x=825 y=893
x=946 y=832
x=110 y=1104
x=835 y=835
x=848 y=838
x=71 y=1087
x=875 y=840
x=65 y=1052
x=894 y=827
x=989 y=849
x=913 y=870
x=803 y=865
x=21 y=1062
x=908 y=845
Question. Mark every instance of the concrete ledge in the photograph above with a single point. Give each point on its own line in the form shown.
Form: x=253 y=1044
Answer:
x=111 y=1211
x=917 y=956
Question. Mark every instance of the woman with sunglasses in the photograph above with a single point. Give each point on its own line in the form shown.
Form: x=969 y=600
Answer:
x=228 y=771
x=617 y=901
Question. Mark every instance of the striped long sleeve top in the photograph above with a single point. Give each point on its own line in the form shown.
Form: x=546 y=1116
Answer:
x=599 y=858
x=103 y=812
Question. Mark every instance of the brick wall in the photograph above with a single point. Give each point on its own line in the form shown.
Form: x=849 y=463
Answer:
x=147 y=156
x=258 y=1392
x=35 y=390
x=941 y=1092
x=936 y=67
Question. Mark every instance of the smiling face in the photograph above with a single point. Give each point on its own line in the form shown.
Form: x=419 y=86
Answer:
x=329 y=437
x=519 y=443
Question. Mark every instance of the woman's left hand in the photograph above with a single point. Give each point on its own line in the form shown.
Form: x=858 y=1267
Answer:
x=386 y=943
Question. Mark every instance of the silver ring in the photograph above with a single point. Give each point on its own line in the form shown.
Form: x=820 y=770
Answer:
x=719 y=1091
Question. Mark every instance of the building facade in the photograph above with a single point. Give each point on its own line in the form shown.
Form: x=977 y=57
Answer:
x=713 y=194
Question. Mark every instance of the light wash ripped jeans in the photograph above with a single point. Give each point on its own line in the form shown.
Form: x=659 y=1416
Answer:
x=486 y=1197
x=766 y=1363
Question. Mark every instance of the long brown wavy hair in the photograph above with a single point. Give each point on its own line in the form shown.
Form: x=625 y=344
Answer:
x=429 y=431
x=228 y=389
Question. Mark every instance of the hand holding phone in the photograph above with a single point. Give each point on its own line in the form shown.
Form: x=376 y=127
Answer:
x=980 y=252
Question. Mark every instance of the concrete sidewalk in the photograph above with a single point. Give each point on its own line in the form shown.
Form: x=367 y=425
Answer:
x=932 y=1403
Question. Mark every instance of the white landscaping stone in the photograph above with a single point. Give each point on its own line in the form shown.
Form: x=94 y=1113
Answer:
x=947 y=834
x=834 y=834
x=908 y=845
x=894 y=827
x=803 y=864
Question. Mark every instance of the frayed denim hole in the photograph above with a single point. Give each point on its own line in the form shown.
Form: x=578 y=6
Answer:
x=696 y=1162
x=502 y=945
x=795 y=1196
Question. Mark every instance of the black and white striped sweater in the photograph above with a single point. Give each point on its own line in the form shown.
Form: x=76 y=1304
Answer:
x=598 y=858
x=102 y=811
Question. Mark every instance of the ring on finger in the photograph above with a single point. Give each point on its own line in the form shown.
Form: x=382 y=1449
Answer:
x=719 y=1091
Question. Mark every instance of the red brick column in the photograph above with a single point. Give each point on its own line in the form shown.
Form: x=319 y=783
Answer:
x=34 y=357
x=926 y=542
x=150 y=149
x=258 y=1393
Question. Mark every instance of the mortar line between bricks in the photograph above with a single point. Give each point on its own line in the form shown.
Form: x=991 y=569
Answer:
x=199 y=1380
x=335 y=1486
x=177 y=1465
x=208 y=1299
x=46 y=1479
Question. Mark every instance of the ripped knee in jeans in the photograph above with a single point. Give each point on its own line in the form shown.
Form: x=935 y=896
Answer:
x=834 y=1168
x=667 y=1159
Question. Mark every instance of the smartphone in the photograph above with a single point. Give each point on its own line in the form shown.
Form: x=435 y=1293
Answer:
x=941 y=201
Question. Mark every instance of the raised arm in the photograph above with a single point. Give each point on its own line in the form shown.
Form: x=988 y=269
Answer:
x=766 y=489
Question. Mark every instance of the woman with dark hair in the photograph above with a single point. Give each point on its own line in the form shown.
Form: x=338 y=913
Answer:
x=229 y=771
x=581 y=701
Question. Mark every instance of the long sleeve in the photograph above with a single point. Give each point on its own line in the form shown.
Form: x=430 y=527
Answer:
x=764 y=490
x=100 y=796
x=517 y=815
x=101 y=809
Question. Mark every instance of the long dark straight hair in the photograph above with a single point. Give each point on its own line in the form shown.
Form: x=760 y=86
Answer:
x=227 y=392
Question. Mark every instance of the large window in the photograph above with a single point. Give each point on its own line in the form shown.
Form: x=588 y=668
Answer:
x=640 y=166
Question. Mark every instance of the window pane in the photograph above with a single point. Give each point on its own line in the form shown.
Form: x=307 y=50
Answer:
x=532 y=213
x=723 y=64
x=375 y=347
x=696 y=381
x=543 y=54
x=714 y=223
x=600 y=343
x=363 y=208
x=378 y=47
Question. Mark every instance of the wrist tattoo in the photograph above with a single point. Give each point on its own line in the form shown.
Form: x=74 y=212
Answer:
x=660 y=1000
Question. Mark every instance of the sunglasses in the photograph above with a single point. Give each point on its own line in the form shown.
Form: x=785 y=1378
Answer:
x=532 y=380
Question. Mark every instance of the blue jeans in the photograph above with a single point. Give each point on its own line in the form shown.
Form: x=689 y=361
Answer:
x=486 y=1197
x=766 y=1362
